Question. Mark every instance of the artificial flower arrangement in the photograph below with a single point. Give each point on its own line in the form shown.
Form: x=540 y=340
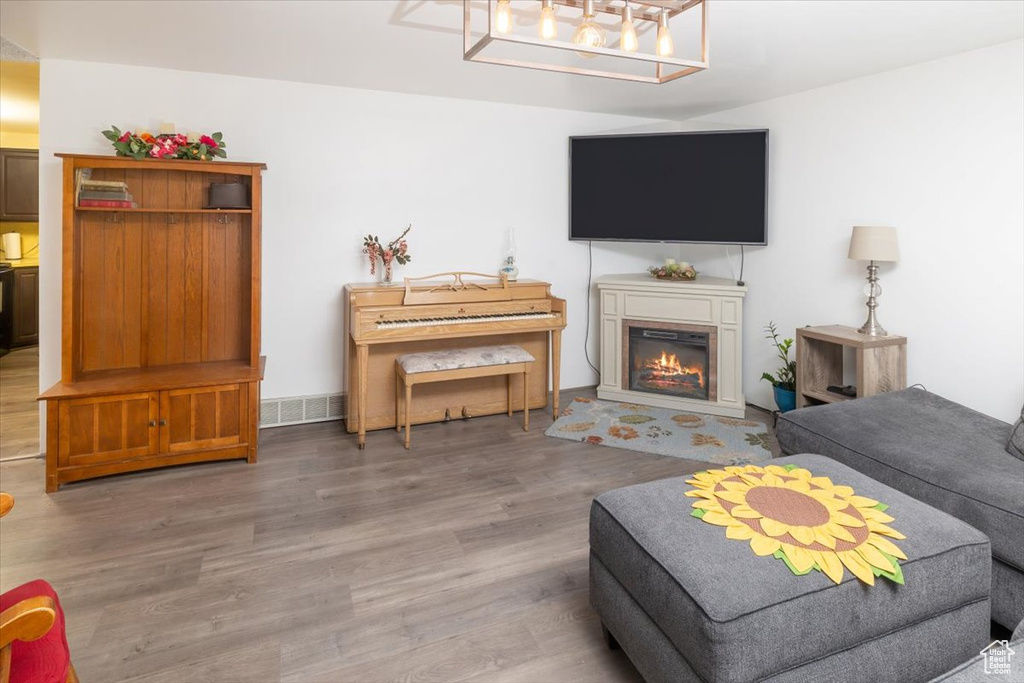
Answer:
x=397 y=250
x=172 y=146
x=673 y=271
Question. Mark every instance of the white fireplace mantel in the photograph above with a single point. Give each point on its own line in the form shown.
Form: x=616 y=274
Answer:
x=706 y=302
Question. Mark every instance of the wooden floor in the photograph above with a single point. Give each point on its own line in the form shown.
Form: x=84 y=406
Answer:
x=19 y=411
x=462 y=559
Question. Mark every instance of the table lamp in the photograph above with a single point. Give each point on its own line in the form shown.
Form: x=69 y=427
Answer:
x=873 y=243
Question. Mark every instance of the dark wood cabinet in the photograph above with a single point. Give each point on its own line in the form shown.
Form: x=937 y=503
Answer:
x=25 y=311
x=19 y=184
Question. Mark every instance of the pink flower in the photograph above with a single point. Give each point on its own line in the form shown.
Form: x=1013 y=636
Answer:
x=402 y=247
x=208 y=141
x=125 y=136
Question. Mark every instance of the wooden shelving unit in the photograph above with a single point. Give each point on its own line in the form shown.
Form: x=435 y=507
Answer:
x=161 y=356
x=880 y=363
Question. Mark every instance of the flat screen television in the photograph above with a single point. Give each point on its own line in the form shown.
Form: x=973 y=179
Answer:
x=705 y=187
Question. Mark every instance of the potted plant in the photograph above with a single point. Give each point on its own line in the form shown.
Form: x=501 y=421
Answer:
x=784 y=380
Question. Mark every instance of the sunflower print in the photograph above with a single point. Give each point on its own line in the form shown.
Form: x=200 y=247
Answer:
x=806 y=521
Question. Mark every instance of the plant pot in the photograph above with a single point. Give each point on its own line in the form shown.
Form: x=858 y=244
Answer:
x=785 y=399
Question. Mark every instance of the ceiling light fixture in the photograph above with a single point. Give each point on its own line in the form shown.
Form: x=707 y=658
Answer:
x=503 y=17
x=664 y=47
x=636 y=18
x=628 y=39
x=589 y=33
x=548 y=28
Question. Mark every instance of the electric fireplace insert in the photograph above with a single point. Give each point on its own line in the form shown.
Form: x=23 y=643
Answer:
x=669 y=359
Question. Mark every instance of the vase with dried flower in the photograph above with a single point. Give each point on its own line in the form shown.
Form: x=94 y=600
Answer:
x=397 y=250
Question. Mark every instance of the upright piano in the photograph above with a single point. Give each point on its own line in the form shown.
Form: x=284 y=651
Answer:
x=439 y=312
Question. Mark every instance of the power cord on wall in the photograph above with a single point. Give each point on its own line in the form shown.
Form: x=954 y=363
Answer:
x=740 y=282
x=590 y=280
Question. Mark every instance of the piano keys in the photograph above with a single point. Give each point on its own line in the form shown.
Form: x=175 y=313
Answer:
x=442 y=312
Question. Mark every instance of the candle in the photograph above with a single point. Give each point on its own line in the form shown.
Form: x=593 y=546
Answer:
x=166 y=129
x=193 y=136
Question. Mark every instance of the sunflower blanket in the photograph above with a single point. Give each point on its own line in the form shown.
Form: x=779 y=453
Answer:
x=808 y=522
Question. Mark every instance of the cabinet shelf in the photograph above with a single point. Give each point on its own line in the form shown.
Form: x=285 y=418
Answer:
x=824 y=396
x=115 y=209
x=134 y=380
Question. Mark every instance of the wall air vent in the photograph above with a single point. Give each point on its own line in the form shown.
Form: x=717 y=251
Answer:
x=292 y=410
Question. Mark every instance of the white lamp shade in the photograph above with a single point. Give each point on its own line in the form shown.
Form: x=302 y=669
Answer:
x=874 y=243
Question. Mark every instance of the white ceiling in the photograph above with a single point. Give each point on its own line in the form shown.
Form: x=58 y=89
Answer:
x=759 y=49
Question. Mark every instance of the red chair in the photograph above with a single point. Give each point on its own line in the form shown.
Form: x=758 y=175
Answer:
x=33 y=647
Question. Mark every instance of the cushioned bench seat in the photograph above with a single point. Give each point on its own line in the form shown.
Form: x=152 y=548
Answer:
x=688 y=604
x=937 y=451
x=441 y=366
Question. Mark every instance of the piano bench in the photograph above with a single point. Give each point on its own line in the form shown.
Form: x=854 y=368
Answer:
x=440 y=366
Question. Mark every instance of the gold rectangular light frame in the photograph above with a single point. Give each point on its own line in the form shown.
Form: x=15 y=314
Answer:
x=662 y=74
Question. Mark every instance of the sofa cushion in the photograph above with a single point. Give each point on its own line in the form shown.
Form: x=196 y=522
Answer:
x=453 y=359
x=735 y=616
x=1015 y=446
x=47 y=659
x=933 y=449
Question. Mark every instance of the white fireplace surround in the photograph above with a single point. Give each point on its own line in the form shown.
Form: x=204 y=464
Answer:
x=705 y=302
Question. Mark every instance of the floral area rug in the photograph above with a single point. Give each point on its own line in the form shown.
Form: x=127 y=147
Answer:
x=708 y=438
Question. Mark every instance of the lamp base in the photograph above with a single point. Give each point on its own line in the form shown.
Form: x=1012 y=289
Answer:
x=872 y=329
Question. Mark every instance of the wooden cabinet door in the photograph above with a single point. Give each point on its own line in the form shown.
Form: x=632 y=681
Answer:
x=203 y=417
x=19 y=185
x=26 y=307
x=107 y=428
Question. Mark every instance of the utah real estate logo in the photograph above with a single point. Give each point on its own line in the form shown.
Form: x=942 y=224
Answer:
x=996 y=657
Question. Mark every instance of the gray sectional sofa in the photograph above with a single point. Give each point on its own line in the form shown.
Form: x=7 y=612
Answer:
x=940 y=452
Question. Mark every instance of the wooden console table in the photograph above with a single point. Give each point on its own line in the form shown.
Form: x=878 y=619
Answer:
x=881 y=363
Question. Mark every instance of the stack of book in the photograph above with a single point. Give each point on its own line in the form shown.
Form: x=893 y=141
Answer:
x=110 y=194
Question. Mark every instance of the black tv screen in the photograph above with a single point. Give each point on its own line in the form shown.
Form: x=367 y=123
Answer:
x=708 y=187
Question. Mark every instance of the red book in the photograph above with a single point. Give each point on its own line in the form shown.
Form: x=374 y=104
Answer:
x=108 y=203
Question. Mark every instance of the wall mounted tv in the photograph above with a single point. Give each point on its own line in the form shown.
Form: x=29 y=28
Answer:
x=706 y=187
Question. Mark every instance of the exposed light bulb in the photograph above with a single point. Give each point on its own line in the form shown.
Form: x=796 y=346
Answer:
x=548 y=22
x=588 y=33
x=628 y=40
x=664 y=46
x=503 y=17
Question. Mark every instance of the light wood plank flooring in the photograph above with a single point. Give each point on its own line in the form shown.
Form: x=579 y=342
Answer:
x=19 y=411
x=462 y=559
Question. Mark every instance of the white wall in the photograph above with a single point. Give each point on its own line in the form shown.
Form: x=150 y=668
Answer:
x=937 y=150
x=344 y=162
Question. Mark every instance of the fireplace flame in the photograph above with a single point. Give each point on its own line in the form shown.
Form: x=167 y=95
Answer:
x=668 y=367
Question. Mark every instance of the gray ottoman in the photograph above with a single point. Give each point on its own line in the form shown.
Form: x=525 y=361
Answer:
x=688 y=604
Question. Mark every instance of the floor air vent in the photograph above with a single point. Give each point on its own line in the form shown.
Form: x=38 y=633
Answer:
x=277 y=412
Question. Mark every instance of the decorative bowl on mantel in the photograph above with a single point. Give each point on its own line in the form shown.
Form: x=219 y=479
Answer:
x=673 y=271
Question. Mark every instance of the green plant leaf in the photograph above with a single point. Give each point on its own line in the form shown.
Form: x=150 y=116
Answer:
x=698 y=513
x=881 y=507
